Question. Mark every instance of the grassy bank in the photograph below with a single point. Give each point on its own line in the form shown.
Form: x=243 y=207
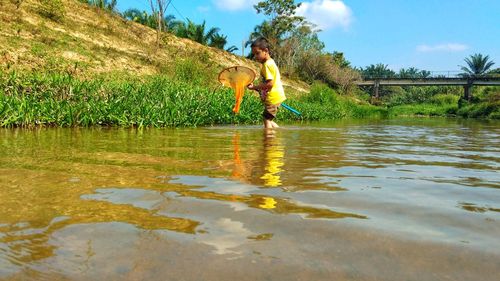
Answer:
x=41 y=99
x=485 y=104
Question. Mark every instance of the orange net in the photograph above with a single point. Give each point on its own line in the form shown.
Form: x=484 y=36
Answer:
x=237 y=77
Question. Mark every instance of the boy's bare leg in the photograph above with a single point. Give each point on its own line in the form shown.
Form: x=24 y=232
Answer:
x=269 y=133
x=268 y=124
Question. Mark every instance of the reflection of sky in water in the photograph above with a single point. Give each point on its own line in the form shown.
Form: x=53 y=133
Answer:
x=225 y=235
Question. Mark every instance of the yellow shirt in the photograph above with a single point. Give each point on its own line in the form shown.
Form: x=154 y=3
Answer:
x=270 y=71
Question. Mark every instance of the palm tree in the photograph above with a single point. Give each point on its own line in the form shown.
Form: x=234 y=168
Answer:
x=232 y=49
x=377 y=71
x=111 y=6
x=477 y=66
x=169 y=22
x=411 y=72
x=193 y=31
x=220 y=41
x=199 y=35
x=264 y=30
x=135 y=15
x=424 y=74
x=141 y=17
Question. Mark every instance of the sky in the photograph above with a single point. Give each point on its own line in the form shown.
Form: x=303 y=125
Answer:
x=434 y=35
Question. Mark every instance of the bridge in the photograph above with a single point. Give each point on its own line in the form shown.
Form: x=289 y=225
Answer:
x=467 y=83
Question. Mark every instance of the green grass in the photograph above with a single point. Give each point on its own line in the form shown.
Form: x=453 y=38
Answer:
x=60 y=100
x=485 y=104
x=425 y=109
x=324 y=103
x=54 y=99
x=489 y=110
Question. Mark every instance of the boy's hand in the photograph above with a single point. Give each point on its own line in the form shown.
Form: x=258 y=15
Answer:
x=263 y=95
x=251 y=86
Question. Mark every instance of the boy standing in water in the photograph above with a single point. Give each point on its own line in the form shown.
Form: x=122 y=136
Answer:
x=270 y=90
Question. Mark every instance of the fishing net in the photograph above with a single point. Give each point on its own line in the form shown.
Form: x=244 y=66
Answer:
x=237 y=77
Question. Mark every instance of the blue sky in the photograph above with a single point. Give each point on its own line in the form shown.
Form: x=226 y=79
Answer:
x=434 y=35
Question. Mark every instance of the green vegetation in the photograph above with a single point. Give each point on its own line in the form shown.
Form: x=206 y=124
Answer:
x=61 y=100
x=437 y=100
x=485 y=104
x=49 y=77
x=423 y=109
x=36 y=99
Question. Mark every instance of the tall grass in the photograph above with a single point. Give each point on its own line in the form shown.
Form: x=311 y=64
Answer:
x=424 y=109
x=54 y=99
x=60 y=100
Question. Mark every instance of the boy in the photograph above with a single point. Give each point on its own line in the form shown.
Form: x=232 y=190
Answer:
x=271 y=90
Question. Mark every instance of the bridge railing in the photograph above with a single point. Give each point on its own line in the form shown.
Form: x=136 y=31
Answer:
x=428 y=75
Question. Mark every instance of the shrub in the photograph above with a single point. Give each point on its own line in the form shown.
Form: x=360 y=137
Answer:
x=321 y=93
x=316 y=66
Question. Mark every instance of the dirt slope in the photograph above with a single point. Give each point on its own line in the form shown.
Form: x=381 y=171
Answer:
x=88 y=40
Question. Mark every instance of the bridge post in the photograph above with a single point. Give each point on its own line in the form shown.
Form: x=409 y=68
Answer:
x=376 y=87
x=467 y=90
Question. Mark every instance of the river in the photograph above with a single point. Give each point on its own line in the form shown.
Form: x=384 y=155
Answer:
x=415 y=199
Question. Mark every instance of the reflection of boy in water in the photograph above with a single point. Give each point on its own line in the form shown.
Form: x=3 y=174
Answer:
x=273 y=156
x=271 y=161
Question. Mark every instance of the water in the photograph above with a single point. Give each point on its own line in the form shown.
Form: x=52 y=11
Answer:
x=368 y=200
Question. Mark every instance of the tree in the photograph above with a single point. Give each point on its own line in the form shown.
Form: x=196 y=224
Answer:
x=263 y=30
x=409 y=73
x=477 y=66
x=424 y=74
x=219 y=41
x=339 y=59
x=289 y=36
x=300 y=40
x=139 y=17
x=282 y=13
x=158 y=8
x=377 y=71
x=195 y=32
x=279 y=28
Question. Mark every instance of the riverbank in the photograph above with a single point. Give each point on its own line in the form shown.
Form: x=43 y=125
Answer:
x=37 y=99
x=485 y=105
x=60 y=99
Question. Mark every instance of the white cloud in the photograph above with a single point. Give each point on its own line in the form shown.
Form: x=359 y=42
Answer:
x=326 y=14
x=234 y=5
x=448 y=47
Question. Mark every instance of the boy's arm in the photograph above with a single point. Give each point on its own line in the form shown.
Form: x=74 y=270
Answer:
x=266 y=86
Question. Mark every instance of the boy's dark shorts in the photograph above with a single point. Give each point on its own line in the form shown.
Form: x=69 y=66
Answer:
x=270 y=111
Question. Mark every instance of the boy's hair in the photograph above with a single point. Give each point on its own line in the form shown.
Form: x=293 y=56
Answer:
x=261 y=43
